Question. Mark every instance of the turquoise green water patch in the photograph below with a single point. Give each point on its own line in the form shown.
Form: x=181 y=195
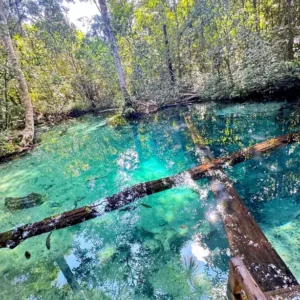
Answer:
x=165 y=246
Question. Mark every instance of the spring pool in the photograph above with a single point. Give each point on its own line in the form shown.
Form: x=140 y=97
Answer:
x=169 y=245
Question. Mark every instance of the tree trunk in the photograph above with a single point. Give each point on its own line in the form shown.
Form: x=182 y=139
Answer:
x=6 y=123
x=288 y=22
x=114 y=50
x=170 y=66
x=28 y=133
x=14 y=237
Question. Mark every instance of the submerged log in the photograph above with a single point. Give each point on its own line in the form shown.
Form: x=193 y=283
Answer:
x=245 y=237
x=14 y=237
x=28 y=201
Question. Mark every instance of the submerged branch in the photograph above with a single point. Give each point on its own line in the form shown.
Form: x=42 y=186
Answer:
x=14 y=237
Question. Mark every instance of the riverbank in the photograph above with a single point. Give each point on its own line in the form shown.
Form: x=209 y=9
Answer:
x=9 y=146
x=287 y=89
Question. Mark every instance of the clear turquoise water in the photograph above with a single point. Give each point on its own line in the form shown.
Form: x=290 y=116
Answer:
x=162 y=252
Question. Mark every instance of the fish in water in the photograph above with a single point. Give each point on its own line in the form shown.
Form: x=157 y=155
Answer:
x=182 y=226
x=92 y=178
x=28 y=201
x=163 y=224
x=146 y=205
x=48 y=241
x=129 y=208
x=27 y=255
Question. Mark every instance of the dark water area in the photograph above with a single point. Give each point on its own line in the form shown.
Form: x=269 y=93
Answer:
x=170 y=245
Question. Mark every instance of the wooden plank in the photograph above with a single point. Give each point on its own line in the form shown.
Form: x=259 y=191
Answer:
x=247 y=240
x=239 y=280
x=245 y=237
x=14 y=237
x=291 y=293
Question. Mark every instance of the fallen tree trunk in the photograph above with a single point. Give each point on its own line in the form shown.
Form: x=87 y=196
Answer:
x=13 y=238
x=245 y=237
x=247 y=240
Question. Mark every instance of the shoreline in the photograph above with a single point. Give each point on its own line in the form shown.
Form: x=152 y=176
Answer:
x=289 y=94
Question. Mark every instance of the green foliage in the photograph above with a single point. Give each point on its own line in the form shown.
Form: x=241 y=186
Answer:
x=117 y=121
x=218 y=49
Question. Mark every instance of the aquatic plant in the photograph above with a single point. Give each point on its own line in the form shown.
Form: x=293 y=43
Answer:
x=191 y=266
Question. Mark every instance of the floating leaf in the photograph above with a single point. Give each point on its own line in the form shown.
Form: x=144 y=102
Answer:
x=27 y=255
x=146 y=205
x=48 y=241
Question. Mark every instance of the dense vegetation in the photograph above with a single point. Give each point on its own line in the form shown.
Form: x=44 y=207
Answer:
x=140 y=51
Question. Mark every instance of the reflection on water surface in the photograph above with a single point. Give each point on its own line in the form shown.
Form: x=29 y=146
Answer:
x=167 y=246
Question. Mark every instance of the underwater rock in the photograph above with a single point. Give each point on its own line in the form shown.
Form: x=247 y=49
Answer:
x=31 y=200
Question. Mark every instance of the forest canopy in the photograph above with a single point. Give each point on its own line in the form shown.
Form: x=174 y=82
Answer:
x=141 y=51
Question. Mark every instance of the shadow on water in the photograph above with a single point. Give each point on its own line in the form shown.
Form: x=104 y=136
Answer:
x=165 y=246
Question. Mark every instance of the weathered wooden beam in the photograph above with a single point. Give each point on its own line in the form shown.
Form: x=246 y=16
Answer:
x=289 y=293
x=14 y=237
x=247 y=240
x=245 y=237
x=239 y=280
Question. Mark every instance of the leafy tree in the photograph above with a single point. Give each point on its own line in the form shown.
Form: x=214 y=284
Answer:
x=28 y=133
